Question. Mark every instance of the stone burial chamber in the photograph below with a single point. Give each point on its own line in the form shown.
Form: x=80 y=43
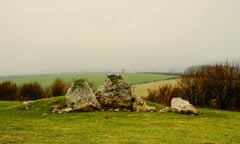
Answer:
x=114 y=95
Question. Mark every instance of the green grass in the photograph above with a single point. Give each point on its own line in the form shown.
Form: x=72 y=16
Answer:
x=8 y=104
x=31 y=126
x=96 y=78
x=34 y=126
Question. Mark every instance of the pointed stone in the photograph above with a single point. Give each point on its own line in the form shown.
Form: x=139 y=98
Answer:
x=80 y=97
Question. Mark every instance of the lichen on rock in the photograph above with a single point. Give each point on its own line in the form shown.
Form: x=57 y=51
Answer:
x=80 y=97
x=116 y=94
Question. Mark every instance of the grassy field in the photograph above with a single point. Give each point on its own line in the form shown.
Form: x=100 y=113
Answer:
x=38 y=125
x=96 y=78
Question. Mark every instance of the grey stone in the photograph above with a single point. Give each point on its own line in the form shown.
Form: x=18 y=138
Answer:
x=81 y=97
x=116 y=94
x=139 y=105
x=166 y=109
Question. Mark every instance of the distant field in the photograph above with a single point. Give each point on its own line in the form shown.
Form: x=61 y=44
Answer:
x=142 y=89
x=96 y=78
x=38 y=126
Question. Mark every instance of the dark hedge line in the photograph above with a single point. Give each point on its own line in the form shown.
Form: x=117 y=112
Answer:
x=31 y=91
x=215 y=86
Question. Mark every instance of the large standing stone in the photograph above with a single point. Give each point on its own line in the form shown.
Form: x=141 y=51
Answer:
x=116 y=94
x=81 y=97
x=183 y=106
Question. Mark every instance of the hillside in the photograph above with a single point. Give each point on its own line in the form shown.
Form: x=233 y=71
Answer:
x=39 y=125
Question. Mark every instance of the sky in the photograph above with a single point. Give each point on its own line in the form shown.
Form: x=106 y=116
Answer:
x=48 y=36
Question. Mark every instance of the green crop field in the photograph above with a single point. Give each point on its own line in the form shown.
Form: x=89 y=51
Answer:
x=96 y=78
x=38 y=125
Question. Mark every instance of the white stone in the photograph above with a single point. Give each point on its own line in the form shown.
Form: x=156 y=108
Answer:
x=27 y=104
x=116 y=110
x=182 y=106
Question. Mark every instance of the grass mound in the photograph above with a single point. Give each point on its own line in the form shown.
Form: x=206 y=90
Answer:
x=31 y=126
x=47 y=104
x=153 y=104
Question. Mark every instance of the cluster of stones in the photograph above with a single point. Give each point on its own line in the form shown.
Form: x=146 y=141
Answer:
x=114 y=95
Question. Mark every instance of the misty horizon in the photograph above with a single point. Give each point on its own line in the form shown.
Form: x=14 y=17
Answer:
x=58 y=36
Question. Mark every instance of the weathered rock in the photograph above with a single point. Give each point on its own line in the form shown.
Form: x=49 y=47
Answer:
x=180 y=105
x=116 y=94
x=166 y=109
x=140 y=105
x=81 y=97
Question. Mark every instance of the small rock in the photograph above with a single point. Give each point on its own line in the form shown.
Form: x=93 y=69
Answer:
x=116 y=110
x=140 y=106
x=67 y=109
x=44 y=114
x=126 y=110
x=27 y=104
x=166 y=109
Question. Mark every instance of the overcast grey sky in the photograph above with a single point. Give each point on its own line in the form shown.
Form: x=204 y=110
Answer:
x=44 y=36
